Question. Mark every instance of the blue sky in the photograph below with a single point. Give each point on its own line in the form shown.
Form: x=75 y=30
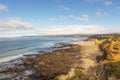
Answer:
x=43 y=17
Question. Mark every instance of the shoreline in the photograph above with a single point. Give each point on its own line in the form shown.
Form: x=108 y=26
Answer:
x=22 y=58
x=11 y=58
x=45 y=50
x=59 y=61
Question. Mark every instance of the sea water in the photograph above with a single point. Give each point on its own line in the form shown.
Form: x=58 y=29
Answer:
x=11 y=48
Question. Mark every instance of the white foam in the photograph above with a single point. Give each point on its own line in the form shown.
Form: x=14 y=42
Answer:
x=6 y=59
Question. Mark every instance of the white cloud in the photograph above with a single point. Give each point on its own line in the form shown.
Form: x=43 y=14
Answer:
x=3 y=7
x=14 y=24
x=61 y=7
x=60 y=17
x=75 y=29
x=108 y=3
x=84 y=17
x=74 y=17
x=59 y=30
x=100 y=13
x=52 y=19
x=17 y=33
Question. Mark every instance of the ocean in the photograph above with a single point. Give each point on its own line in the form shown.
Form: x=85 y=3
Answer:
x=11 y=48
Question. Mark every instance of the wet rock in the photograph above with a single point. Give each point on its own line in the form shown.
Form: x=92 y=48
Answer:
x=29 y=72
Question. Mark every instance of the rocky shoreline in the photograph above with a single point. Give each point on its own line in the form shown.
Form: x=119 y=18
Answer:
x=89 y=60
x=45 y=66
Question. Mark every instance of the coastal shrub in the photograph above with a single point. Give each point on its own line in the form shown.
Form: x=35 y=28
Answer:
x=78 y=74
x=111 y=56
x=113 y=69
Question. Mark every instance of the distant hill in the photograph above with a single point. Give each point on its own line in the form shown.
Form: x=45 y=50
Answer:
x=80 y=35
x=64 y=36
x=102 y=36
x=69 y=36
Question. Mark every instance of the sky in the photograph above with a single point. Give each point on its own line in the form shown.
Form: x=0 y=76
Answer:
x=55 y=17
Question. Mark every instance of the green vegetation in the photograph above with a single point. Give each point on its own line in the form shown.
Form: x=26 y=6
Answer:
x=104 y=36
x=78 y=74
x=111 y=57
x=3 y=76
x=113 y=70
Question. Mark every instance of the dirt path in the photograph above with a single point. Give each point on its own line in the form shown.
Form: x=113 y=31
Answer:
x=89 y=53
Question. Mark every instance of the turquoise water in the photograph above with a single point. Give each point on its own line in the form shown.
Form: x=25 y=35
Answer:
x=16 y=46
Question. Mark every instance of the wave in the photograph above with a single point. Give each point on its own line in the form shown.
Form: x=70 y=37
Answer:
x=9 y=58
x=30 y=48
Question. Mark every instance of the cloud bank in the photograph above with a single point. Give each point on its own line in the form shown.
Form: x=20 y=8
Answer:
x=58 y=30
x=75 y=29
x=14 y=24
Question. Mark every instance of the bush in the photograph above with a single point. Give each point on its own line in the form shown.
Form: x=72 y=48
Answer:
x=113 y=69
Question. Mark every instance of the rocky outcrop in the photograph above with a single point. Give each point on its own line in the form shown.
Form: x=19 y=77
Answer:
x=110 y=59
x=50 y=64
x=111 y=49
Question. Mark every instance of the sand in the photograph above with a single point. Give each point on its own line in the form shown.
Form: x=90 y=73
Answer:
x=89 y=51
